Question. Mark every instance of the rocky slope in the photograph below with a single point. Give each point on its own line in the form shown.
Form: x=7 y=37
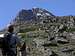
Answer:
x=45 y=33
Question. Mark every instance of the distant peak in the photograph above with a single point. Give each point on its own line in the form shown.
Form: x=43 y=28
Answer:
x=33 y=14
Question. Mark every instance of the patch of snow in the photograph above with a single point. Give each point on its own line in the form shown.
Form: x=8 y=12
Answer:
x=38 y=14
x=1 y=35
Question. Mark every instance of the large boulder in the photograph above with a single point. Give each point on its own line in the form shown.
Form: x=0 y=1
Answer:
x=62 y=41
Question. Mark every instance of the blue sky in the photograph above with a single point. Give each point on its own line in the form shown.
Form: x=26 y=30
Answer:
x=10 y=8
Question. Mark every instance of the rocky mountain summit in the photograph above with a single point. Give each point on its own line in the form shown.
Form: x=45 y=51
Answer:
x=46 y=34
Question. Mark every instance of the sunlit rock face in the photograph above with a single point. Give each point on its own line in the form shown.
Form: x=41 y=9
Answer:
x=35 y=14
